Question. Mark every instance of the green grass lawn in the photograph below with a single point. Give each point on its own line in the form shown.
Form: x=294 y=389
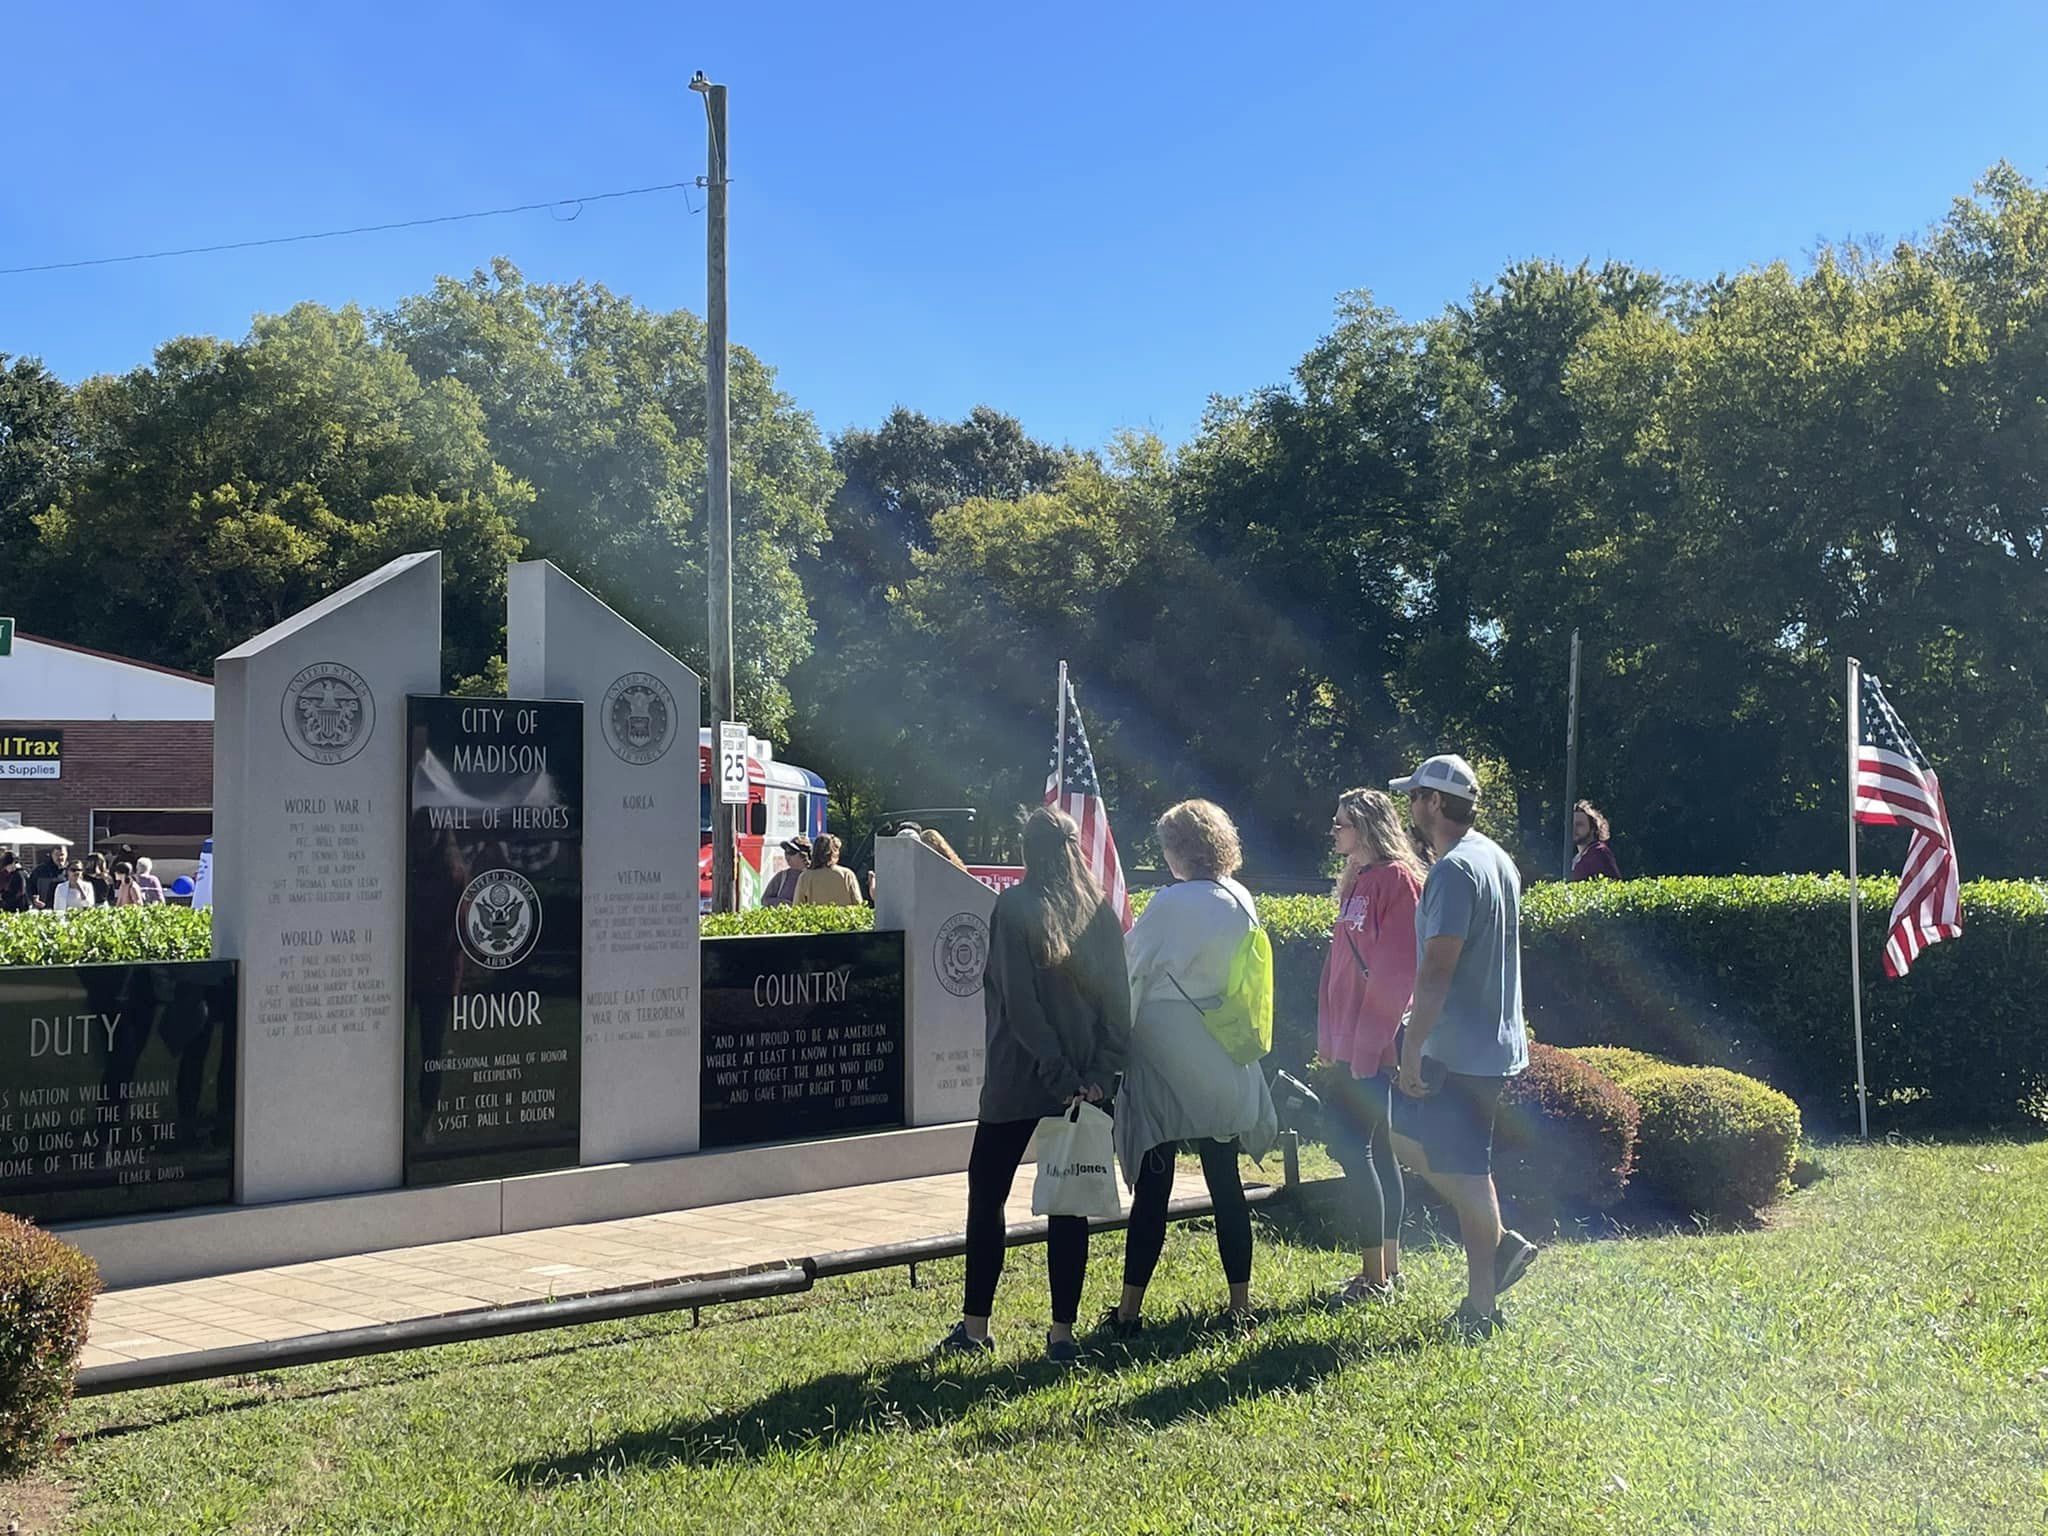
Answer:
x=1874 y=1360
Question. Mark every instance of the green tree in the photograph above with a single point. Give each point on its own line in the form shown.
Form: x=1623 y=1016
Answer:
x=38 y=452
x=881 y=709
x=598 y=404
x=229 y=485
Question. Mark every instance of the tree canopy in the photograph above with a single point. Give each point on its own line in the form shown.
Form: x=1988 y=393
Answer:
x=1726 y=487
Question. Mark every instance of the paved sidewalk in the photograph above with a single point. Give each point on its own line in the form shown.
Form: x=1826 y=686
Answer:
x=294 y=1300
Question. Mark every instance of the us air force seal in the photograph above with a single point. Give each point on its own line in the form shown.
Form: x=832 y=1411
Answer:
x=498 y=919
x=639 y=715
x=328 y=713
x=961 y=953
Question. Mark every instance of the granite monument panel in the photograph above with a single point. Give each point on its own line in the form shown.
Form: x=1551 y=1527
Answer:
x=309 y=761
x=116 y=1088
x=640 y=840
x=803 y=1037
x=494 y=938
x=943 y=913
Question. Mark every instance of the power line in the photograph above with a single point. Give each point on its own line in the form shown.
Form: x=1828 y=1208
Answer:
x=359 y=229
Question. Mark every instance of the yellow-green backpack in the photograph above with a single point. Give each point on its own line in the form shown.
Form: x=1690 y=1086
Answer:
x=1242 y=1020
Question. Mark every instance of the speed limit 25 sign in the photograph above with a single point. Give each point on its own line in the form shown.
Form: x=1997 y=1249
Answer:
x=732 y=763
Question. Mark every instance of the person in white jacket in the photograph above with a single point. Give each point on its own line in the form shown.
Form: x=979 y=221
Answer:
x=1180 y=1085
x=74 y=892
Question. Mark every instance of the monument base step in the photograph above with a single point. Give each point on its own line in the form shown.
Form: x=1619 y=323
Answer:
x=219 y=1240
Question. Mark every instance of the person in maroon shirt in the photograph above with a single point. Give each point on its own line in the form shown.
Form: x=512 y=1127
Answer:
x=1595 y=860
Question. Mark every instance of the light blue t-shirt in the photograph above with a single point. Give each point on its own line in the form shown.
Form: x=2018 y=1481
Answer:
x=1474 y=893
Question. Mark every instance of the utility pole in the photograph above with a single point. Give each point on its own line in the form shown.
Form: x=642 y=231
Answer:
x=718 y=477
x=1571 y=760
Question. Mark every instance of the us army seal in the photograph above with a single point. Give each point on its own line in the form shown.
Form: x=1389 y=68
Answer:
x=639 y=715
x=960 y=954
x=498 y=919
x=328 y=712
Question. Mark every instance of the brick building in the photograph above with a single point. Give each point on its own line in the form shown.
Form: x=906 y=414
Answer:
x=105 y=751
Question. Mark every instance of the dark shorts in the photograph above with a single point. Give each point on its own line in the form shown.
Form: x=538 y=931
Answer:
x=1454 y=1125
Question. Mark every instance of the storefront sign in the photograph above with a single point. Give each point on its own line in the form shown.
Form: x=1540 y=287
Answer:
x=31 y=754
x=803 y=1037
x=117 y=1088
x=494 y=953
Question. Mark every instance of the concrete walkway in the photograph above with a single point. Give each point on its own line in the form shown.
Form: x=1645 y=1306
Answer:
x=293 y=1300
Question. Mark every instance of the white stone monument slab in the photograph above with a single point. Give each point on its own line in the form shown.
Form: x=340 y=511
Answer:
x=309 y=758
x=944 y=914
x=641 y=995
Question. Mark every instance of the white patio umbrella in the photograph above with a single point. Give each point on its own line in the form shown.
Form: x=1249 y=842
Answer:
x=31 y=837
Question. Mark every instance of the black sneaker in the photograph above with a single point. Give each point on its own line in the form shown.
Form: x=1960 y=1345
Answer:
x=959 y=1342
x=1466 y=1326
x=1359 y=1291
x=1062 y=1351
x=1112 y=1328
x=1511 y=1261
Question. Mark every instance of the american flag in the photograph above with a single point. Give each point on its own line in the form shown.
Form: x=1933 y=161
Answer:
x=1082 y=800
x=1896 y=787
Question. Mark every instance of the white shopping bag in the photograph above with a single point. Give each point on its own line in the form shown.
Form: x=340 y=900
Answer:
x=1076 y=1166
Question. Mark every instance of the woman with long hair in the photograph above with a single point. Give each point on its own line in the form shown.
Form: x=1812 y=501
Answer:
x=1058 y=1006
x=1594 y=859
x=1182 y=1085
x=827 y=883
x=1368 y=978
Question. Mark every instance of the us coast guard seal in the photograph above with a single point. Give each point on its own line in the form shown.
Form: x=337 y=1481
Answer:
x=498 y=919
x=639 y=715
x=328 y=712
x=961 y=953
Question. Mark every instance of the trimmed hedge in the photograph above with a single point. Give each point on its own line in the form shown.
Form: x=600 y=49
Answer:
x=1751 y=973
x=1713 y=1141
x=1566 y=1137
x=46 y=1292
x=101 y=935
x=1618 y=1062
x=778 y=920
x=1743 y=972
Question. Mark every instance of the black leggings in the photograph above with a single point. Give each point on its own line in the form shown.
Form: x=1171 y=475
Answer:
x=1361 y=1139
x=991 y=1171
x=1147 y=1233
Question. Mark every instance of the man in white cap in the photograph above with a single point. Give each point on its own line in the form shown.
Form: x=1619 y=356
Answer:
x=1464 y=1037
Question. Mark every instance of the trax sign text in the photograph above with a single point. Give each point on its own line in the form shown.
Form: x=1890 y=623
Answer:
x=31 y=754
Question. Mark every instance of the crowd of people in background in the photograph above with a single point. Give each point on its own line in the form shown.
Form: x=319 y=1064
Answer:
x=59 y=883
x=1419 y=1023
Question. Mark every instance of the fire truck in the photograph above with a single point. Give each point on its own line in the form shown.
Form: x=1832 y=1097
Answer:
x=783 y=801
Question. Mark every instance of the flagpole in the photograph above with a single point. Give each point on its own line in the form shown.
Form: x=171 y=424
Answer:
x=1059 y=751
x=1856 y=899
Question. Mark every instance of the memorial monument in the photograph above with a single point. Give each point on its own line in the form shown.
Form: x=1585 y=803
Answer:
x=494 y=946
x=309 y=763
x=641 y=1000
x=943 y=913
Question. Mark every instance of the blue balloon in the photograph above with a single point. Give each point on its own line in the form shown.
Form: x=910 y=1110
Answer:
x=182 y=886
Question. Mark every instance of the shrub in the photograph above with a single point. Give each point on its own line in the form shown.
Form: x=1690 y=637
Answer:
x=1713 y=1141
x=777 y=920
x=1566 y=1137
x=1739 y=972
x=1751 y=974
x=46 y=1292
x=1618 y=1062
x=106 y=934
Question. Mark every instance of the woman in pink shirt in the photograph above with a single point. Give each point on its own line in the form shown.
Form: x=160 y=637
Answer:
x=1368 y=980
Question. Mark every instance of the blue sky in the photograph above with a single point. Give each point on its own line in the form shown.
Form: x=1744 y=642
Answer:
x=1091 y=216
